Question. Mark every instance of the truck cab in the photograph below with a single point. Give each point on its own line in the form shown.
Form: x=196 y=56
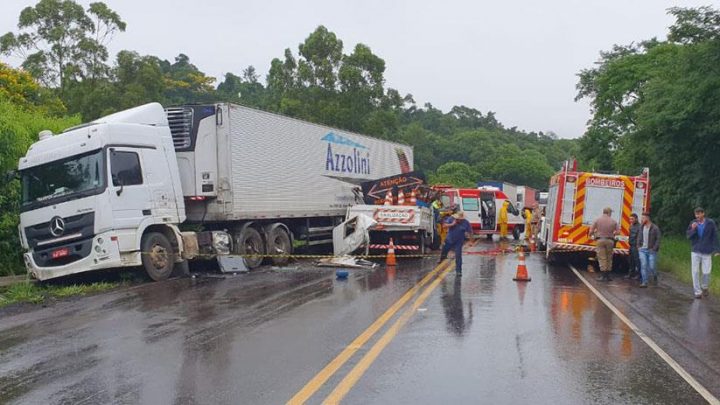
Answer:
x=97 y=195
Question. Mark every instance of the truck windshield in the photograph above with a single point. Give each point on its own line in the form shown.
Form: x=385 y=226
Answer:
x=69 y=178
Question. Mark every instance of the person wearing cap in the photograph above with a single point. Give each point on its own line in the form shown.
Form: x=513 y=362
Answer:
x=604 y=230
x=702 y=233
x=458 y=229
x=648 y=246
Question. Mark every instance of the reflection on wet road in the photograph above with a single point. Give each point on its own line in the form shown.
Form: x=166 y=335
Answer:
x=260 y=337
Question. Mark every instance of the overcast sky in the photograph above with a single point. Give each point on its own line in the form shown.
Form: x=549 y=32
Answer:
x=517 y=58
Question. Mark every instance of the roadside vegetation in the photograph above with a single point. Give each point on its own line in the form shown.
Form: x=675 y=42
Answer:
x=674 y=258
x=34 y=293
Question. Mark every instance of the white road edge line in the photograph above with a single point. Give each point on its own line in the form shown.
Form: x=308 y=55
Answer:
x=669 y=360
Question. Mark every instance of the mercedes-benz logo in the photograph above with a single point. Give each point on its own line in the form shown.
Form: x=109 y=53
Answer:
x=57 y=226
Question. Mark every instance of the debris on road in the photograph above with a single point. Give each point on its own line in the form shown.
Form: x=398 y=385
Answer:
x=346 y=261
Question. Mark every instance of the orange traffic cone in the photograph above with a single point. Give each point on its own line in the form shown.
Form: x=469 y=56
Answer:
x=413 y=198
x=389 y=198
x=401 y=198
x=390 y=259
x=522 y=273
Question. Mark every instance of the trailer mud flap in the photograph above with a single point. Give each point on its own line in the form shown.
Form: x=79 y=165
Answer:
x=232 y=264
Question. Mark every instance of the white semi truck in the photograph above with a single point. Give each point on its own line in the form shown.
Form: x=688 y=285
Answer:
x=114 y=192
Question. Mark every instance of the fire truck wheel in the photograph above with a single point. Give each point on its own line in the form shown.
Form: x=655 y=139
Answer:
x=249 y=242
x=516 y=232
x=279 y=244
x=158 y=257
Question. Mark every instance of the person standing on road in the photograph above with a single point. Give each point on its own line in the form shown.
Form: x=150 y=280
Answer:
x=604 y=230
x=702 y=233
x=648 y=247
x=528 y=224
x=634 y=259
x=503 y=219
x=535 y=222
x=458 y=229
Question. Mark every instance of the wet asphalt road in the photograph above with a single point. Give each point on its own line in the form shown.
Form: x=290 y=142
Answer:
x=261 y=337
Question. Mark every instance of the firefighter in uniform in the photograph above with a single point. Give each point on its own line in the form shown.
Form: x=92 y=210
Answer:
x=504 y=219
x=535 y=222
x=528 y=224
x=604 y=230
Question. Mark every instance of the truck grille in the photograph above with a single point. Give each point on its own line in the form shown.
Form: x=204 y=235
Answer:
x=180 y=120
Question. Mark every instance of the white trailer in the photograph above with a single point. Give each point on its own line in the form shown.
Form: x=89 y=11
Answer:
x=273 y=180
x=267 y=179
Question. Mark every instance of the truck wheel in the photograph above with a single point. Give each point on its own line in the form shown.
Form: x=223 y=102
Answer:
x=158 y=257
x=249 y=242
x=516 y=232
x=279 y=244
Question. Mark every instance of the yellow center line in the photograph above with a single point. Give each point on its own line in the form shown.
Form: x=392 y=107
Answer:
x=357 y=372
x=320 y=378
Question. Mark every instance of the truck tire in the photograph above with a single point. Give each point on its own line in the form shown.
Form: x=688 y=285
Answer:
x=279 y=244
x=516 y=232
x=158 y=257
x=249 y=242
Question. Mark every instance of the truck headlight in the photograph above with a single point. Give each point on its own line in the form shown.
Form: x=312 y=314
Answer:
x=221 y=242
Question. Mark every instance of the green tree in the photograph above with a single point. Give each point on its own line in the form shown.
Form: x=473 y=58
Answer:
x=457 y=174
x=657 y=104
x=185 y=83
x=59 y=40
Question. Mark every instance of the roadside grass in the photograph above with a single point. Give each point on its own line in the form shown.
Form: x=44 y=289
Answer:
x=674 y=258
x=35 y=293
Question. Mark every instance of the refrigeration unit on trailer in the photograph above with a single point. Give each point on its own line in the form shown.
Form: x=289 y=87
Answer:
x=576 y=199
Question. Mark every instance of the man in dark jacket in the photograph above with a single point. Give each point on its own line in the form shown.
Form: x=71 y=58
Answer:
x=702 y=233
x=648 y=247
x=458 y=230
x=634 y=259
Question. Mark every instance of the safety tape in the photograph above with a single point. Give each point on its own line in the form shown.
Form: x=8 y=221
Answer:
x=490 y=252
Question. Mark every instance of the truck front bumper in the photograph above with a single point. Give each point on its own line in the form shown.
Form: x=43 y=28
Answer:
x=103 y=253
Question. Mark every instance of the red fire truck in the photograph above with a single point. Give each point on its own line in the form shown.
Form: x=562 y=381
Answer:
x=576 y=199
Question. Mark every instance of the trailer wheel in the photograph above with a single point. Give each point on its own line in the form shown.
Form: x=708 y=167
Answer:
x=249 y=242
x=279 y=244
x=516 y=232
x=158 y=257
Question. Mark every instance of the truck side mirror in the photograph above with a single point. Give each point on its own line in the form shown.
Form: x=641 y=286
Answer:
x=118 y=180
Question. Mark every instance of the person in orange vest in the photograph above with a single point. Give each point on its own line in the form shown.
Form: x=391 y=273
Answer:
x=503 y=220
